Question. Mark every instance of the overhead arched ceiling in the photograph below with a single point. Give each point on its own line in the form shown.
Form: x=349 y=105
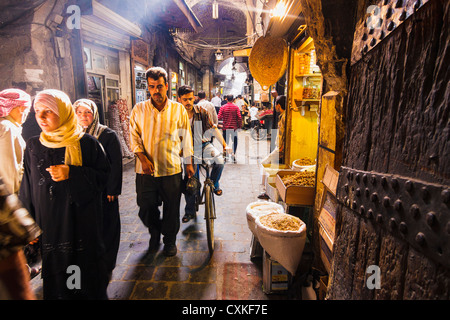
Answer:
x=226 y=33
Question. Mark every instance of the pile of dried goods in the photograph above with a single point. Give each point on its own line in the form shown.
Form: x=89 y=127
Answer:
x=304 y=162
x=281 y=221
x=303 y=178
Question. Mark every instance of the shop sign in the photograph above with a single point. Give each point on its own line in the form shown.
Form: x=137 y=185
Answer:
x=139 y=51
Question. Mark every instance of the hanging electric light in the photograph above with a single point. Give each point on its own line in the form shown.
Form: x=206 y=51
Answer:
x=280 y=10
x=219 y=55
x=215 y=10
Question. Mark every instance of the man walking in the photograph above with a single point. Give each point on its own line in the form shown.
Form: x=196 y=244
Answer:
x=208 y=106
x=160 y=132
x=231 y=117
x=217 y=102
x=243 y=107
x=275 y=112
x=277 y=155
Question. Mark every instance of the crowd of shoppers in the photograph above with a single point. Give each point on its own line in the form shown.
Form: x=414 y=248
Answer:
x=65 y=180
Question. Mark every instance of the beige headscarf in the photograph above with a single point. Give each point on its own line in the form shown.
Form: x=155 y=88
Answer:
x=96 y=128
x=69 y=132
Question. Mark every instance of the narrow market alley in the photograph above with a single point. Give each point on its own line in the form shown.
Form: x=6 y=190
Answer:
x=356 y=177
x=191 y=274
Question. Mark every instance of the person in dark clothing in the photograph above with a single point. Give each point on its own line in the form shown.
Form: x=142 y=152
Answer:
x=30 y=128
x=274 y=124
x=65 y=172
x=17 y=229
x=88 y=117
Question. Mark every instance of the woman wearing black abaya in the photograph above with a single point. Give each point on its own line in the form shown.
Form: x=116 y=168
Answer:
x=88 y=117
x=65 y=173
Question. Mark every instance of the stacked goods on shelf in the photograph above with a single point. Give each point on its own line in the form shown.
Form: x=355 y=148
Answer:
x=311 y=91
x=119 y=122
x=314 y=68
x=304 y=62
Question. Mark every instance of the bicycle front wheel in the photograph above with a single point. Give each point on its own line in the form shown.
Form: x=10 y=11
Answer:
x=210 y=215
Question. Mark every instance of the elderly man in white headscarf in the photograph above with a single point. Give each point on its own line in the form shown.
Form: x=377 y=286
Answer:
x=14 y=107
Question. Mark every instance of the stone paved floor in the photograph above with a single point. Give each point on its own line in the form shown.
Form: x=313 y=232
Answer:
x=192 y=274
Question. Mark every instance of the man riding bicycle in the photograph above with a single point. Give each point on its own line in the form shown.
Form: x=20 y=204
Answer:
x=203 y=128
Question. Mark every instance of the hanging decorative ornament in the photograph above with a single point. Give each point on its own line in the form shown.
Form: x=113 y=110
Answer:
x=219 y=55
x=268 y=60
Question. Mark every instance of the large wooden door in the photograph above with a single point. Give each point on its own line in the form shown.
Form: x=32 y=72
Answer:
x=394 y=181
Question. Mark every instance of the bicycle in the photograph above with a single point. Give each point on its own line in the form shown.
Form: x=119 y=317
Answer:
x=258 y=132
x=207 y=198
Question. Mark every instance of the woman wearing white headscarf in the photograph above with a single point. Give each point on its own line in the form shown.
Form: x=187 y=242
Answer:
x=88 y=117
x=65 y=173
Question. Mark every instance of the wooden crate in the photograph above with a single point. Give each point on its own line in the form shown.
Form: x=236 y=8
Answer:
x=330 y=179
x=294 y=195
x=326 y=248
x=268 y=172
x=327 y=216
x=272 y=192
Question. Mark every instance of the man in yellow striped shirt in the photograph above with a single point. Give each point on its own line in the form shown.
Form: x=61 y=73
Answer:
x=160 y=131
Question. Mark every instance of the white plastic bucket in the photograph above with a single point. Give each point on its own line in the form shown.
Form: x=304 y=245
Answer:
x=297 y=167
x=260 y=208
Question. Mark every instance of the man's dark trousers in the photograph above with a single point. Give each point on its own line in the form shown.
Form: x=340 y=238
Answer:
x=150 y=191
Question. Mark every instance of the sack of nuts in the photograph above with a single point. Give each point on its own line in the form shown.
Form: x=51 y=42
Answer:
x=281 y=221
x=283 y=236
x=302 y=178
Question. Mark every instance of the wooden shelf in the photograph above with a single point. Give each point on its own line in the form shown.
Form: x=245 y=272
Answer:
x=309 y=75
x=307 y=100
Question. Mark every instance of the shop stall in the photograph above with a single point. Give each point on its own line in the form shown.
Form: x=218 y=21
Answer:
x=304 y=92
x=291 y=184
x=300 y=184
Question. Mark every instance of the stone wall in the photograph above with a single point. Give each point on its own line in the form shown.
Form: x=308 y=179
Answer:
x=34 y=54
x=331 y=25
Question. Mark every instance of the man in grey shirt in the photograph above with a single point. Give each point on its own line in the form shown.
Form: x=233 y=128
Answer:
x=208 y=106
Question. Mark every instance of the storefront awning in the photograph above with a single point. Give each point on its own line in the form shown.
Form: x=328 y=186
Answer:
x=242 y=52
x=105 y=16
x=103 y=26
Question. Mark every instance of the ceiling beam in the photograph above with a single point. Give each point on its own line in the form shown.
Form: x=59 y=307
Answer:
x=190 y=15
